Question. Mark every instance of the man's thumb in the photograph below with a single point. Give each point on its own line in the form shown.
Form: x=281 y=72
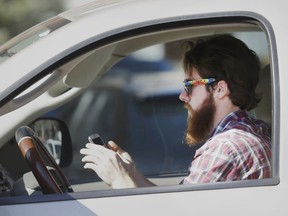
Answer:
x=113 y=146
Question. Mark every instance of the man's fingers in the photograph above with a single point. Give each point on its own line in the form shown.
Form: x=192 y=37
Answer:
x=92 y=149
x=92 y=146
x=90 y=159
x=90 y=166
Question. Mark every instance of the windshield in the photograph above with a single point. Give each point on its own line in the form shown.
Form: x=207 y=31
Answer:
x=30 y=36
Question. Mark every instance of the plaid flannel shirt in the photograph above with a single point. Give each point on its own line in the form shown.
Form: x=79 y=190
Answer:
x=239 y=148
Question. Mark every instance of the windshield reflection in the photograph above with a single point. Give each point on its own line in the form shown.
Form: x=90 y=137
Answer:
x=30 y=36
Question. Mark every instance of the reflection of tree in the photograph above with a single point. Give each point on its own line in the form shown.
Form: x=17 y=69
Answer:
x=49 y=132
x=19 y=15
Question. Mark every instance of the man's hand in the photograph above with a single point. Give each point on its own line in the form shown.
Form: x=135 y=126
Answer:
x=114 y=166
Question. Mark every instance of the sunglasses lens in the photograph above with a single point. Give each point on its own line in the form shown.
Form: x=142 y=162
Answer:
x=187 y=89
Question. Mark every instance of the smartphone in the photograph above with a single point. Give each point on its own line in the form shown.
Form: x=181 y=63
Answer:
x=96 y=139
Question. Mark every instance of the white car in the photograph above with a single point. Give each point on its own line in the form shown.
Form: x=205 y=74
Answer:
x=114 y=68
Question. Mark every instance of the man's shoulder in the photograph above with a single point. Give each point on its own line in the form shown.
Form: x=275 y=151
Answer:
x=235 y=140
x=234 y=135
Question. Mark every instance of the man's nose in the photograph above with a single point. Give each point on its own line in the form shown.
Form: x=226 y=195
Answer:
x=184 y=96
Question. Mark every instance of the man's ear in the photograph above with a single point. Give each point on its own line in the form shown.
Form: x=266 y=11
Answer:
x=222 y=89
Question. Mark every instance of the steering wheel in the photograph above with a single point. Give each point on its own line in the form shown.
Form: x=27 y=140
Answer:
x=38 y=157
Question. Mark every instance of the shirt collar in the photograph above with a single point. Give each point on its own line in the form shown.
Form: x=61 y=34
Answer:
x=225 y=123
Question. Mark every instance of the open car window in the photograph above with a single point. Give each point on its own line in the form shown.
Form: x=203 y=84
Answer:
x=136 y=104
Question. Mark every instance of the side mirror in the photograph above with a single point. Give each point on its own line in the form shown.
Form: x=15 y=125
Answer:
x=56 y=137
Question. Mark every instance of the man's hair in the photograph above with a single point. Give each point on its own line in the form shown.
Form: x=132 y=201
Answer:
x=227 y=58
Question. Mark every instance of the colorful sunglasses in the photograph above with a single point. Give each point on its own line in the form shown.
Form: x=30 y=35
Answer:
x=189 y=83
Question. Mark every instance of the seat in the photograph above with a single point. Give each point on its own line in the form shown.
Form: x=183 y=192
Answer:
x=264 y=109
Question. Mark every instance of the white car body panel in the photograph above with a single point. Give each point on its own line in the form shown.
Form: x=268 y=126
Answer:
x=258 y=200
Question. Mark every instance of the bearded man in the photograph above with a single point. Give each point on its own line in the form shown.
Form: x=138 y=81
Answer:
x=221 y=75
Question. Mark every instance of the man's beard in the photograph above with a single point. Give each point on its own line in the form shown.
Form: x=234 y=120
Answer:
x=200 y=122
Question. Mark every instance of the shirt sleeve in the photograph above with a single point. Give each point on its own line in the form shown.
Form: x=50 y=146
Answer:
x=212 y=164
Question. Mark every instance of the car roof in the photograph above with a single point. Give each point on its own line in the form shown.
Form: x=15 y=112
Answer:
x=91 y=7
x=119 y=16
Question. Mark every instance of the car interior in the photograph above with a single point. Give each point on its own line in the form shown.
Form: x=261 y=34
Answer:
x=91 y=93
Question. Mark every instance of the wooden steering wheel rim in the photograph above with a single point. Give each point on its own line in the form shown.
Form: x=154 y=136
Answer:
x=27 y=140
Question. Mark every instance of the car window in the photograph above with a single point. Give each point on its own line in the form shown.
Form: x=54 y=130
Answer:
x=136 y=104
